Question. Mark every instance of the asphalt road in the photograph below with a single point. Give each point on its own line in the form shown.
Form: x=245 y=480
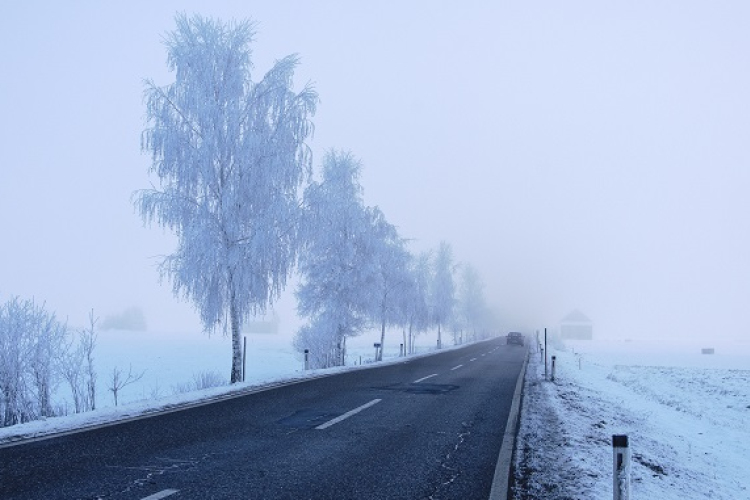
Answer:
x=429 y=427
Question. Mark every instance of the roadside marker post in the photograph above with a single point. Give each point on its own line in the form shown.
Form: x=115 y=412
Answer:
x=621 y=467
x=545 y=354
x=554 y=358
x=307 y=359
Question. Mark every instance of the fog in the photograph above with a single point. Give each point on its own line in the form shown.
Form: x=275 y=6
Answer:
x=578 y=154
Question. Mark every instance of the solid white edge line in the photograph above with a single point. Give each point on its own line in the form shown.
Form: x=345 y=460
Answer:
x=160 y=495
x=456 y=367
x=424 y=378
x=348 y=414
x=500 y=482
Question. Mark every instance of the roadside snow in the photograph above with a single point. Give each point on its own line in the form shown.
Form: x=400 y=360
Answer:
x=685 y=414
x=170 y=360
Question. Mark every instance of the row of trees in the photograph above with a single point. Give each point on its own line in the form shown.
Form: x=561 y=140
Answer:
x=356 y=271
x=232 y=160
x=37 y=353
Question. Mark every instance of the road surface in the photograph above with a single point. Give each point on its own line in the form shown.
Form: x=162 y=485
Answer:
x=429 y=427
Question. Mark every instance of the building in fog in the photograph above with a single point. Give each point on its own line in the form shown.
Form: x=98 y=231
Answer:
x=576 y=326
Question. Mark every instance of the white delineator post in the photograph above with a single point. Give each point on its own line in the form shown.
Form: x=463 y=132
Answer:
x=545 y=354
x=307 y=359
x=554 y=358
x=621 y=469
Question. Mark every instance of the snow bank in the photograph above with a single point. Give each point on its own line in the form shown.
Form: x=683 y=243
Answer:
x=685 y=413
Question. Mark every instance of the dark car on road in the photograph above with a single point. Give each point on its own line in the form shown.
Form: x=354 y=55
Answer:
x=515 y=338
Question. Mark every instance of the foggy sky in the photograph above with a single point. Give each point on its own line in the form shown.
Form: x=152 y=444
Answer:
x=578 y=154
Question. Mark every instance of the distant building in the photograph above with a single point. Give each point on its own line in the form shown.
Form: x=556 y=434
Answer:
x=576 y=326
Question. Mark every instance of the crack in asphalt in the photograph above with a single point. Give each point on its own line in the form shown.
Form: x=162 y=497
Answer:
x=152 y=471
x=452 y=472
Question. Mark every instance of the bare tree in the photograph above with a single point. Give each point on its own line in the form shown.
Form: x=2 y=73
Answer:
x=47 y=341
x=88 y=343
x=443 y=289
x=77 y=367
x=118 y=381
x=71 y=367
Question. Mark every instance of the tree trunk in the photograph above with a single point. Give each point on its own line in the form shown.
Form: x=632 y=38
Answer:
x=382 y=337
x=343 y=350
x=411 y=339
x=234 y=318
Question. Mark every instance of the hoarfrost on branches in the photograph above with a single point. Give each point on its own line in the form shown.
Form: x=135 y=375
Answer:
x=393 y=278
x=416 y=309
x=443 y=289
x=231 y=156
x=337 y=267
x=32 y=344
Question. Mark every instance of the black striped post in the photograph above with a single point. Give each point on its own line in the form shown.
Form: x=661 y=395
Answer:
x=621 y=470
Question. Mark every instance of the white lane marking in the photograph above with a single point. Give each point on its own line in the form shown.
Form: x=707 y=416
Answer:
x=456 y=367
x=160 y=495
x=473 y=359
x=484 y=354
x=425 y=378
x=348 y=414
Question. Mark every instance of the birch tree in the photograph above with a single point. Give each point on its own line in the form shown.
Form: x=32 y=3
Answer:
x=443 y=289
x=416 y=302
x=230 y=155
x=337 y=269
x=391 y=260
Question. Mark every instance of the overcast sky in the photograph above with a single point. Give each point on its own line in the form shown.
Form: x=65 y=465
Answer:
x=589 y=155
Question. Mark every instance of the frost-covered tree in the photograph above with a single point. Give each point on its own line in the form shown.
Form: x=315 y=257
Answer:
x=415 y=305
x=443 y=289
x=31 y=343
x=337 y=269
x=77 y=366
x=14 y=322
x=231 y=156
x=391 y=260
x=47 y=339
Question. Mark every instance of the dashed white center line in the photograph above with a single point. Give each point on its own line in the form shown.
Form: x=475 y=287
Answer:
x=160 y=495
x=456 y=367
x=425 y=378
x=348 y=414
x=473 y=359
x=484 y=354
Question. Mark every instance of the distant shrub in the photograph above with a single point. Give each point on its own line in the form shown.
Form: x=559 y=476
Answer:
x=206 y=380
x=202 y=380
x=131 y=319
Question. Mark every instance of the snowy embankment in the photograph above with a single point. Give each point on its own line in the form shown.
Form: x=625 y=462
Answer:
x=686 y=415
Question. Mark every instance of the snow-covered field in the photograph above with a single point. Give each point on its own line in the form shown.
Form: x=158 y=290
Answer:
x=685 y=412
x=686 y=415
x=170 y=362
